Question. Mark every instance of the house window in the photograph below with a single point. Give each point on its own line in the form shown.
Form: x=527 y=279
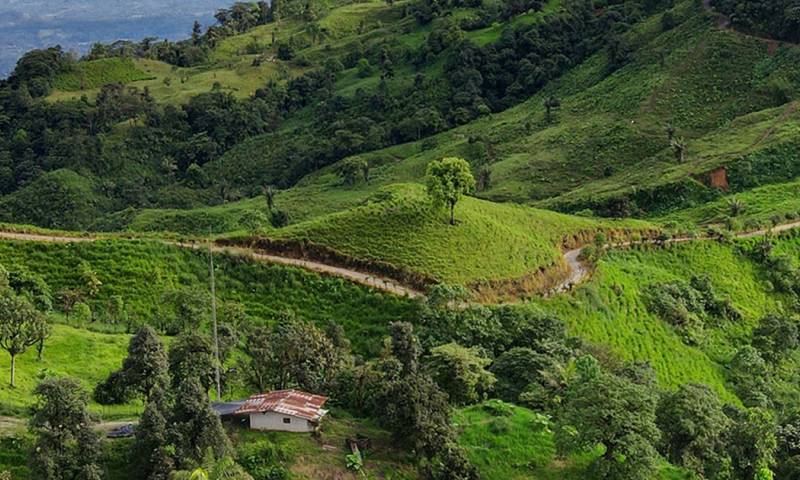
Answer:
x=287 y=420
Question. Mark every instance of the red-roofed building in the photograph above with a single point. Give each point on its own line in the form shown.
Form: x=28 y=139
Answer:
x=284 y=410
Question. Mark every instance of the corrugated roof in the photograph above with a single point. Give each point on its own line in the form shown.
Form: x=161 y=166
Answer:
x=288 y=402
x=226 y=408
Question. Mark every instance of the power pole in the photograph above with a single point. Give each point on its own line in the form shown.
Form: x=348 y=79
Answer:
x=214 y=321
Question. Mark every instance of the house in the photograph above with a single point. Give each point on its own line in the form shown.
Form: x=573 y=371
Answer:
x=282 y=410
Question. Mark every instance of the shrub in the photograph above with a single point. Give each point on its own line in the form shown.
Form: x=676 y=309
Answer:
x=263 y=460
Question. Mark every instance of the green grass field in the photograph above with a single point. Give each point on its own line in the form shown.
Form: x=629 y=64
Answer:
x=490 y=241
x=96 y=73
x=610 y=310
x=140 y=272
x=81 y=354
x=761 y=206
x=522 y=446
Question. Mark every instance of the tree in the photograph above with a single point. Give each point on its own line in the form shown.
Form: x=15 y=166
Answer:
x=447 y=180
x=752 y=444
x=776 y=337
x=194 y=426
x=269 y=196
x=293 y=353
x=386 y=65
x=679 y=149
x=66 y=447
x=353 y=169
x=519 y=369
x=192 y=356
x=694 y=428
x=91 y=284
x=603 y=409
x=151 y=446
x=143 y=369
x=550 y=104
x=405 y=346
x=671 y=130
x=21 y=327
x=751 y=378
x=197 y=33
x=460 y=372
x=736 y=207
x=416 y=411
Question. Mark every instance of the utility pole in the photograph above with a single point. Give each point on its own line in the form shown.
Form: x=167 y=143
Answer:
x=214 y=321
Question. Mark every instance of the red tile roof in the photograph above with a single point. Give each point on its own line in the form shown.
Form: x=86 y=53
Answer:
x=288 y=402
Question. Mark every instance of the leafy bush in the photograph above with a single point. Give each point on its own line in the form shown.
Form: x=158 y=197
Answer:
x=264 y=460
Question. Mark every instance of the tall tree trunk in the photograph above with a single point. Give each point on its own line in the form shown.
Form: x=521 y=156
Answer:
x=13 y=368
x=452 y=213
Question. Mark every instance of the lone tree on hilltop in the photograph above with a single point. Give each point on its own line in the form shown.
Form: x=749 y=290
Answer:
x=448 y=179
x=21 y=327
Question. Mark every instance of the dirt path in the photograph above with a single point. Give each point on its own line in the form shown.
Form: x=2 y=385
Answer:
x=13 y=425
x=373 y=281
x=579 y=271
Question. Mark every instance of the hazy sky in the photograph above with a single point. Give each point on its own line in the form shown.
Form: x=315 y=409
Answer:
x=76 y=24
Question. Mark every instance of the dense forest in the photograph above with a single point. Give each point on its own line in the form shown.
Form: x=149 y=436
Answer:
x=130 y=151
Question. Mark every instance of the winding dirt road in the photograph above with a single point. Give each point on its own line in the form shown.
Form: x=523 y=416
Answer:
x=380 y=283
x=578 y=270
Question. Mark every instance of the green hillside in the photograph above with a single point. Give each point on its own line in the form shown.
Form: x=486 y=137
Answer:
x=96 y=73
x=491 y=242
x=140 y=273
x=596 y=309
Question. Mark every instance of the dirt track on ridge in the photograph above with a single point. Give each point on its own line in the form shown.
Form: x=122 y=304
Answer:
x=578 y=270
x=380 y=283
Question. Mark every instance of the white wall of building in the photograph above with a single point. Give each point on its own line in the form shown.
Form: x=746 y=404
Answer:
x=278 y=421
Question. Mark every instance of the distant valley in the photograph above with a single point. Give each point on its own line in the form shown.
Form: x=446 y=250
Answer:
x=76 y=24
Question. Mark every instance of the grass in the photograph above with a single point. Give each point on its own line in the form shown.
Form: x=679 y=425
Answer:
x=311 y=459
x=84 y=355
x=93 y=74
x=521 y=445
x=761 y=205
x=610 y=311
x=490 y=241
x=139 y=272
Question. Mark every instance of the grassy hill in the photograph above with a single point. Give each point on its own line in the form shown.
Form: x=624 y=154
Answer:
x=96 y=73
x=611 y=311
x=490 y=242
x=607 y=144
x=140 y=273
x=515 y=443
x=106 y=352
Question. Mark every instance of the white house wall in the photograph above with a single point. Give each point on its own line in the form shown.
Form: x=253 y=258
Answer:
x=275 y=421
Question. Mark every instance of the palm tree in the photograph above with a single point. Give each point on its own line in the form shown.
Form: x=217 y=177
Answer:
x=736 y=207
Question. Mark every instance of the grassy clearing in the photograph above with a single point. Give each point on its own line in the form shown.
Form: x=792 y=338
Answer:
x=86 y=356
x=610 y=311
x=491 y=241
x=522 y=446
x=309 y=459
x=140 y=272
x=761 y=205
x=176 y=85
x=96 y=73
